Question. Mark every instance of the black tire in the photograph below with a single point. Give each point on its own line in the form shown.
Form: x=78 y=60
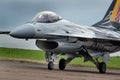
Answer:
x=50 y=65
x=102 y=67
x=62 y=64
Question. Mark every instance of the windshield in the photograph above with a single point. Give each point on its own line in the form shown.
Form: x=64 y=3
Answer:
x=46 y=17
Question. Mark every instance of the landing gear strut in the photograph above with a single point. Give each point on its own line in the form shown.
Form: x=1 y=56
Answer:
x=50 y=58
x=100 y=65
x=62 y=64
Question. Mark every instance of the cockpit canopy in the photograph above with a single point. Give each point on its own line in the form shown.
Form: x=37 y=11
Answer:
x=46 y=17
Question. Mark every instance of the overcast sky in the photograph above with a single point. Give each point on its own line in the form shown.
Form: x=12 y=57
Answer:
x=16 y=12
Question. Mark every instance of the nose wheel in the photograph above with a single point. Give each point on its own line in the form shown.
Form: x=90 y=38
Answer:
x=62 y=64
x=50 y=65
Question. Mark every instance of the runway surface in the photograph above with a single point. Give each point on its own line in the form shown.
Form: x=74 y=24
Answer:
x=30 y=71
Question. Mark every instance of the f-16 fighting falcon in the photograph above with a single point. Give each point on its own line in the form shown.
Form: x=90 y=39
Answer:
x=57 y=36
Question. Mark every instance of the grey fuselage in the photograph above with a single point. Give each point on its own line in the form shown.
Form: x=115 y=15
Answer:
x=65 y=36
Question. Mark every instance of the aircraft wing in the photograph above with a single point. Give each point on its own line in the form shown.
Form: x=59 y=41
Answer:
x=88 y=36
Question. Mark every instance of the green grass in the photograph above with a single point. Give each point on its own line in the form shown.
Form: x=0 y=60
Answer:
x=40 y=56
x=22 y=54
x=113 y=63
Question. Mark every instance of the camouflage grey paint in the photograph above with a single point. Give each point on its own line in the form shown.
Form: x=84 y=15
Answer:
x=94 y=38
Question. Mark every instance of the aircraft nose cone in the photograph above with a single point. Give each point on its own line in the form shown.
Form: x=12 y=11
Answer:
x=25 y=32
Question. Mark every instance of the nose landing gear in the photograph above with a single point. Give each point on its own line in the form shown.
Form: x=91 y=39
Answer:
x=50 y=65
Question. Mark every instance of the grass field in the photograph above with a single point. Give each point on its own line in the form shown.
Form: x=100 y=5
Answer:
x=38 y=55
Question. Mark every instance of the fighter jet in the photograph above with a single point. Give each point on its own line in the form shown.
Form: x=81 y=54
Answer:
x=57 y=36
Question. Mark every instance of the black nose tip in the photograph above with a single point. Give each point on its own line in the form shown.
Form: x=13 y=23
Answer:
x=24 y=31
